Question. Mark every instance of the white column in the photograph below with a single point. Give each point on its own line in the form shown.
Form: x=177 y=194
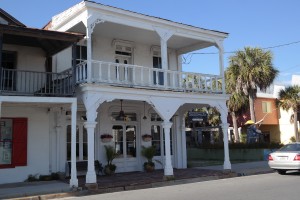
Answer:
x=91 y=174
x=221 y=63
x=80 y=139
x=183 y=136
x=89 y=53
x=164 y=37
x=168 y=169
x=227 y=164
x=73 y=180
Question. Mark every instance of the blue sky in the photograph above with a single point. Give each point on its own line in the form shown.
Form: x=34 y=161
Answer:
x=256 y=23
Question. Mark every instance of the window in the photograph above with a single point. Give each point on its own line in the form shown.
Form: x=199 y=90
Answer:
x=266 y=107
x=13 y=142
x=158 y=77
x=81 y=143
x=158 y=139
x=9 y=62
x=81 y=54
x=125 y=140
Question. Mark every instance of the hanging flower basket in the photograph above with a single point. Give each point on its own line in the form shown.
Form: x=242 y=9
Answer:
x=106 y=138
x=147 y=138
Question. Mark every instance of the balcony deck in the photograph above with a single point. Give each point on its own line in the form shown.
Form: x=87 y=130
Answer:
x=32 y=83
x=135 y=76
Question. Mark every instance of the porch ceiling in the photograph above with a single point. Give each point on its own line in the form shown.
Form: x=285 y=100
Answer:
x=137 y=35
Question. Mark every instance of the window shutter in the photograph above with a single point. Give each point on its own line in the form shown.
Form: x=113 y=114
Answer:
x=19 y=142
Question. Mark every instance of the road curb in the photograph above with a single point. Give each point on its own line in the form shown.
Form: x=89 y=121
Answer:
x=128 y=187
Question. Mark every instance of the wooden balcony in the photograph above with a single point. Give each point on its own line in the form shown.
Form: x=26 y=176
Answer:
x=32 y=83
x=135 y=76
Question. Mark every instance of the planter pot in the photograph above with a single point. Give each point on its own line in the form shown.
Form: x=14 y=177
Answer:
x=147 y=139
x=108 y=171
x=106 y=140
x=149 y=167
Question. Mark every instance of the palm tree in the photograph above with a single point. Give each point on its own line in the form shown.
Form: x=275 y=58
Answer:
x=289 y=99
x=254 y=69
x=236 y=104
x=238 y=101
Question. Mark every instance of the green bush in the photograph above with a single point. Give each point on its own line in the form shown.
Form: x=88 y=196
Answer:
x=271 y=145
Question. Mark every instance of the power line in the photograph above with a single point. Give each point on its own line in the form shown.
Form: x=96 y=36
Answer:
x=188 y=58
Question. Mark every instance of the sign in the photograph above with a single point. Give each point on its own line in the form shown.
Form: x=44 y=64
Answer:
x=197 y=116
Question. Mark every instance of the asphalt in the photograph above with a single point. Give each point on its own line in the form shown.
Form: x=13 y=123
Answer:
x=128 y=181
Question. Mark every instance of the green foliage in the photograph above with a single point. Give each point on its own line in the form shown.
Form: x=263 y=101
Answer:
x=110 y=154
x=293 y=139
x=272 y=145
x=148 y=153
x=32 y=178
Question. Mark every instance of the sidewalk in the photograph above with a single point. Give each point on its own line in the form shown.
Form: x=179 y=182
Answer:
x=129 y=181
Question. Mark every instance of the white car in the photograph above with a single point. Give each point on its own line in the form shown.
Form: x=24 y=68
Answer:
x=286 y=158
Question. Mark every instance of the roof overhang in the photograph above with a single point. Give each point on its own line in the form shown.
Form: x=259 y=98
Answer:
x=51 y=42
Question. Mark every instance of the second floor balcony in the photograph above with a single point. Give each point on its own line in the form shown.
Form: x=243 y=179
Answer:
x=126 y=75
x=34 y=83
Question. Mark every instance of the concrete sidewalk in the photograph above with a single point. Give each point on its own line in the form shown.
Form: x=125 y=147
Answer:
x=56 y=189
x=244 y=169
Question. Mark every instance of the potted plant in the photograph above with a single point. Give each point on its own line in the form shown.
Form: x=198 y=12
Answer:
x=111 y=154
x=106 y=138
x=148 y=153
x=146 y=138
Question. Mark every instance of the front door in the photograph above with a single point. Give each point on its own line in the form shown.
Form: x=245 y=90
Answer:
x=124 y=70
x=126 y=146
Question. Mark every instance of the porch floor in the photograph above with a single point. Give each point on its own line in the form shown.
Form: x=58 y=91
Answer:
x=135 y=180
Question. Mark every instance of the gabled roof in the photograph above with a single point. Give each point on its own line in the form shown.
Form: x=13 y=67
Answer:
x=10 y=19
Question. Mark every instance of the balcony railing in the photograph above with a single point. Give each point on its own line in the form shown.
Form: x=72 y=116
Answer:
x=145 y=77
x=20 y=82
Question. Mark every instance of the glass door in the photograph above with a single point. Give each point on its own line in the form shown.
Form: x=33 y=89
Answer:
x=126 y=147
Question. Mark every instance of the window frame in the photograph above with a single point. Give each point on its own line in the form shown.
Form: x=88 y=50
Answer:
x=266 y=107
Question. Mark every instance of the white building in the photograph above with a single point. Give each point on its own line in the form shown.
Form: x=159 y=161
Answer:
x=127 y=62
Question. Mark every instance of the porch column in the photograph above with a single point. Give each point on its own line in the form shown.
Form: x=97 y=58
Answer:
x=90 y=127
x=73 y=180
x=168 y=169
x=223 y=109
x=164 y=37
x=1 y=47
x=90 y=24
x=74 y=56
x=183 y=141
x=89 y=53
x=219 y=45
x=91 y=102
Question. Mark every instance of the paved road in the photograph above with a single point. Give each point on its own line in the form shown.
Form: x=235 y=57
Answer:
x=266 y=186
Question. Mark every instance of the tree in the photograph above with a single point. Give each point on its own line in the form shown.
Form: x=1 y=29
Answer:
x=238 y=101
x=289 y=99
x=254 y=69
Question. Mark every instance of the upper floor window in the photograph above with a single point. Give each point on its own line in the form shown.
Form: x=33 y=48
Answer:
x=266 y=107
x=81 y=53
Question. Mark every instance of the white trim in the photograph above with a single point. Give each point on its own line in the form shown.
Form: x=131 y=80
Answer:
x=19 y=99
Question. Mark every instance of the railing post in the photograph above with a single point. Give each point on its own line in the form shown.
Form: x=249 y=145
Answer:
x=1 y=67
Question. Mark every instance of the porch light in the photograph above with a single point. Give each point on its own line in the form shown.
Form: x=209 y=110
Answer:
x=144 y=118
x=121 y=113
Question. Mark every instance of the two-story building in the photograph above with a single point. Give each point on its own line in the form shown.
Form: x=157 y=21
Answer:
x=125 y=77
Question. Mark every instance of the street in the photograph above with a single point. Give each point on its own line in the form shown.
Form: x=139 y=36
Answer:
x=265 y=186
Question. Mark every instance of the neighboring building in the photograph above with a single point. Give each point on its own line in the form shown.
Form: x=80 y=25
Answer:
x=128 y=81
x=276 y=123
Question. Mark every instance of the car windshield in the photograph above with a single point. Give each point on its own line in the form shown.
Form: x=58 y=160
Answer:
x=290 y=147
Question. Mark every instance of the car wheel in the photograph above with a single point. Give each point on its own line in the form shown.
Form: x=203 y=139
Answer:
x=281 y=172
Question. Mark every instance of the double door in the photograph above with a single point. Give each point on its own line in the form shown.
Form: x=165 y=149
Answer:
x=125 y=142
